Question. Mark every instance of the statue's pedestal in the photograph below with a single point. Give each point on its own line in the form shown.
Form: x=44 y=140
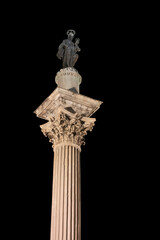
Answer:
x=68 y=120
x=69 y=78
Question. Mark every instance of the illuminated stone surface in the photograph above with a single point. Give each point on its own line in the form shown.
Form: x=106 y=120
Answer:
x=68 y=120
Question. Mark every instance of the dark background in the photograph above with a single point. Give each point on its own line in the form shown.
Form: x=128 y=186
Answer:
x=32 y=37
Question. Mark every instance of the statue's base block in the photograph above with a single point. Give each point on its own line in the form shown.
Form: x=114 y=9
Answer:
x=68 y=100
x=69 y=79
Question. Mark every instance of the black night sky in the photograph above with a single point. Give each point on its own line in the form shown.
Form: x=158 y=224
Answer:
x=107 y=158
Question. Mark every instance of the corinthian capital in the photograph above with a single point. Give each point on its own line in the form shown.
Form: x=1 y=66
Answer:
x=67 y=128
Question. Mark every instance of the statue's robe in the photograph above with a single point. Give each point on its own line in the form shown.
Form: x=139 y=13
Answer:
x=66 y=51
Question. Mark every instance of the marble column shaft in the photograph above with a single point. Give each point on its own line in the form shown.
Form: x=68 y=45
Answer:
x=66 y=196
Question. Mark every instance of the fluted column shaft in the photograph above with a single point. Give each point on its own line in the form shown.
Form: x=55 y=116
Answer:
x=66 y=132
x=66 y=196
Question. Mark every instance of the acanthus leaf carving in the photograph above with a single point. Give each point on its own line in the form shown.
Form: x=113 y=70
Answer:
x=63 y=127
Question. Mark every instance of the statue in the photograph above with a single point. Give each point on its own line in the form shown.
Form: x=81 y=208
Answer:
x=67 y=50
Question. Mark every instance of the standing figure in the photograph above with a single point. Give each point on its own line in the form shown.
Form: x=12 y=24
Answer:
x=67 y=50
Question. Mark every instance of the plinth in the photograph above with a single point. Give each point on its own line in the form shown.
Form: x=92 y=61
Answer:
x=68 y=116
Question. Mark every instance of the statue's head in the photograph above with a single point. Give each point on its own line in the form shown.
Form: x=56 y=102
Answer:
x=71 y=34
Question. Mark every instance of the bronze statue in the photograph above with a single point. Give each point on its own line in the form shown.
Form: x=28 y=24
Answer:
x=67 y=50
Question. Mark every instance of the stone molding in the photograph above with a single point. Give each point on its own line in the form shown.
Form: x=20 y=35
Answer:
x=68 y=72
x=67 y=143
x=62 y=97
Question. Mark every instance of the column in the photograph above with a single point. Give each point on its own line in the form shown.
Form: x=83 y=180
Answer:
x=66 y=197
x=66 y=132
